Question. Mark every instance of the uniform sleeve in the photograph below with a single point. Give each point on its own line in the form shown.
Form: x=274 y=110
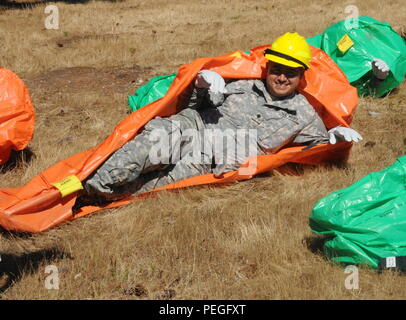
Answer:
x=313 y=133
x=368 y=85
x=203 y=98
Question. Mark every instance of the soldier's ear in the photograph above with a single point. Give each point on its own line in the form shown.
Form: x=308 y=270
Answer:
x=268 y=65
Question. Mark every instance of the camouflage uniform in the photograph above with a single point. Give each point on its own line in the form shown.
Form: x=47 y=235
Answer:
x=245 y=105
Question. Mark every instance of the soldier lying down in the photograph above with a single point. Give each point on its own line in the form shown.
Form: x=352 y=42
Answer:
x=222 y=126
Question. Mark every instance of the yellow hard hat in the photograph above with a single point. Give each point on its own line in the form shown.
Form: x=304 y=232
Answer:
x=291 y=50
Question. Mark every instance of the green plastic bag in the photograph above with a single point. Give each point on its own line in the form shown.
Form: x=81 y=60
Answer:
x=367 y=220
x=371 y=39
x=156 y=88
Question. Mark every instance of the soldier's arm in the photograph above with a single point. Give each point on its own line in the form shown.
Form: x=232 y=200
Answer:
x=209 y=88
x=204 y=98
x=313 y=133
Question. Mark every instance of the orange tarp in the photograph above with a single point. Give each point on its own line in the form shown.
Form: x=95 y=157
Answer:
x=16 y=114
x=38 y=205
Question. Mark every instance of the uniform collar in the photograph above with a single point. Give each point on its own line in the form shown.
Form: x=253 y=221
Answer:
x=281 y=102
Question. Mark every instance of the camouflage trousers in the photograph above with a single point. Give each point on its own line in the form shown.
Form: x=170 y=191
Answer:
x=132 y=170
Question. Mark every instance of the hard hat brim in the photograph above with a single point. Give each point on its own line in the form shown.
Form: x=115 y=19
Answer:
x=283 y=61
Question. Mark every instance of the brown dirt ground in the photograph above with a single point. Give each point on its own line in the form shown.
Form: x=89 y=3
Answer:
x=79 y=80
x=61 y=98
x=53 y=88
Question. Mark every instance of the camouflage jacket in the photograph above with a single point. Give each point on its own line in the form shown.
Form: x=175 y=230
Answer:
x=248 y=105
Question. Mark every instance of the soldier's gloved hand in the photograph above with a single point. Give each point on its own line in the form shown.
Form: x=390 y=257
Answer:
x=343 y=133
x=210 y=80
x=380 y=69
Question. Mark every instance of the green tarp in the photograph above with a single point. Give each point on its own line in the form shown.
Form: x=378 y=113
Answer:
x=371 y=39
x=156 y=88
x=367 y=220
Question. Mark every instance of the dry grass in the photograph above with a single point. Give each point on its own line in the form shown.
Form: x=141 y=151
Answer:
x=248 y=240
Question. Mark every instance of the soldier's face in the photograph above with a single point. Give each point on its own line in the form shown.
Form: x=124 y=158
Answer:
x=282 y=80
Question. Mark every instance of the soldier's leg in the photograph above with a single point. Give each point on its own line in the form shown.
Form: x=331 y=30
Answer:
x=154 y=179
x=138 y=155
x=174 y=173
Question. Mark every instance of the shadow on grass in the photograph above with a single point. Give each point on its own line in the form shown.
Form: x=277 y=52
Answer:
x=13 y=267
x=17 y=158
x=315 y=244
x=298 y=169
x=14 y=234
x=10 y=4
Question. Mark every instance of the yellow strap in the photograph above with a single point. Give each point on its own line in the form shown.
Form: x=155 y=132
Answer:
x=68 y=185
x=236 y=54
x=345 y=43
